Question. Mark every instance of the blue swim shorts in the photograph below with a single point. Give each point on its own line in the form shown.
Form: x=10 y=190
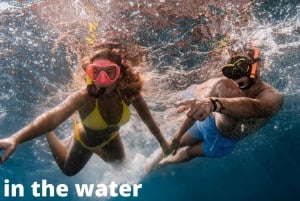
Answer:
x=214 y=144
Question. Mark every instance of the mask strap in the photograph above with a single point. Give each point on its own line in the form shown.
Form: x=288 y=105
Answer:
x=238 y=61
x=89 y=80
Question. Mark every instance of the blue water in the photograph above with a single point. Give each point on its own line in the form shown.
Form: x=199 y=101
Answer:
x=37 y=65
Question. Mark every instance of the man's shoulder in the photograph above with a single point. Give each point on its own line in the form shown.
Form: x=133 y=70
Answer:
x=218 y=81
x=224 y=80
x=272 y=96
x=269 y=89
x=222 y=87
x=226 y=84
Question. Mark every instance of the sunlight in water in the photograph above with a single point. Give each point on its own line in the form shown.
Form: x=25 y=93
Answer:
x=185 y=43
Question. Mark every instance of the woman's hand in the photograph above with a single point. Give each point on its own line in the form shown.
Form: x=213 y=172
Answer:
x=166 y=148
x=175 y=144
x=9 y=145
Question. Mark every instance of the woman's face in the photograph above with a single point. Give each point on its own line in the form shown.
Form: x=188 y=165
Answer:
x=103 y=73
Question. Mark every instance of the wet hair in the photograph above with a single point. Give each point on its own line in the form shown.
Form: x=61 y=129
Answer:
x=129 y=83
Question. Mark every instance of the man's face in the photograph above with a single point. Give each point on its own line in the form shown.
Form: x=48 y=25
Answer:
x=243 y=82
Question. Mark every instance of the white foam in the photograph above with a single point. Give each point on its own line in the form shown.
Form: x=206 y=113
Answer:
x=298 y=18
x=3 y=113
x=5 y=6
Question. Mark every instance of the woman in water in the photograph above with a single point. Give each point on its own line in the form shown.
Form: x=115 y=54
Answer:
x=102 y=107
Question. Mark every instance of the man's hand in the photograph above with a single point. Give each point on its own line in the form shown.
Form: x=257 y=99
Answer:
x=198 y=109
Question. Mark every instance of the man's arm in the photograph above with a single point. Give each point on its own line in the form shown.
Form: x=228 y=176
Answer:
x=266 y=105
x=232 y=102
x=227 y=99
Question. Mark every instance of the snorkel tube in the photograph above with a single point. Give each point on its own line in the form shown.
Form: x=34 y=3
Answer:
x=254 y=64
x=253 y=71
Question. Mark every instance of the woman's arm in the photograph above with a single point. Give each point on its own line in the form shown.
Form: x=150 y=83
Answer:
x=143 y=111
x=43 y=124
x=49 y=120
x=184 y=127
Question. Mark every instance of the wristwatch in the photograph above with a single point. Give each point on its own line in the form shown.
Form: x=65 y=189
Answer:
x=217 y=104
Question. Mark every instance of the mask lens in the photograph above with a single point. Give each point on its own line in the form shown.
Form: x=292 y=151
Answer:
x=110 y=71
x=243 y=67
x=236 y=74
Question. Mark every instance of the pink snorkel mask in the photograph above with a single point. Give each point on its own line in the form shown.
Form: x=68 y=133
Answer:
x=102 y=72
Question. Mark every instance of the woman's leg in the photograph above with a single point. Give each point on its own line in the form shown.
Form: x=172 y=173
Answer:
x=113 y=151
x=70 y=156
x=59 y=150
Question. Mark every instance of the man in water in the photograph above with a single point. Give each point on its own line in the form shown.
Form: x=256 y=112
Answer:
x=229 y=109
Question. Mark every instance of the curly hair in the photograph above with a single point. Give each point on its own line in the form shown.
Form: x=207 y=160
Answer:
x=129 y=83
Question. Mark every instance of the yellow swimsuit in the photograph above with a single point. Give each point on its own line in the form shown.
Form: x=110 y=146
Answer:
x=95 y=121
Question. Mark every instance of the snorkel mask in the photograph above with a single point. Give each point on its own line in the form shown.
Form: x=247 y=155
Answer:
x=240 y=66
x=102 y=72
